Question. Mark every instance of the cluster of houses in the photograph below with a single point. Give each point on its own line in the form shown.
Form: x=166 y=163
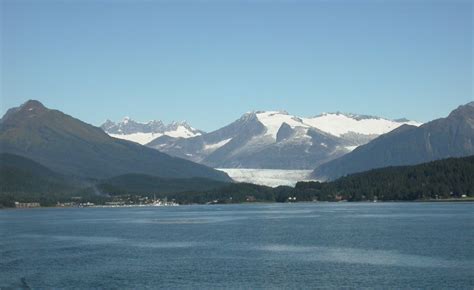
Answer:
x=27 y=204
x=74 y=204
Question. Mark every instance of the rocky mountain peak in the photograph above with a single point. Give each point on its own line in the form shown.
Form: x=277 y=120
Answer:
x=32 y=105
x=30 y=108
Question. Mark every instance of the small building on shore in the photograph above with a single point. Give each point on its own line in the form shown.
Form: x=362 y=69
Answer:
x=27 y=204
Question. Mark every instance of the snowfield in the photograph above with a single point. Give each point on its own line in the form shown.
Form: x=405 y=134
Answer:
x=268 y=177
x=141 y=138
x=336 y=124
x=339 y=124
x=273 y=120
x=144 y=138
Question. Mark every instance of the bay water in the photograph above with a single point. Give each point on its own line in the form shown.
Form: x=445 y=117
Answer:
x=256 y=246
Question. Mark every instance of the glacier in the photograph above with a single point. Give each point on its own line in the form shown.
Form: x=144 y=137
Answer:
x=268 y=177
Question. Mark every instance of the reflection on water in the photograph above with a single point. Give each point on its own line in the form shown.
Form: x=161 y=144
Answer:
x=360 y=256
x=98 y=240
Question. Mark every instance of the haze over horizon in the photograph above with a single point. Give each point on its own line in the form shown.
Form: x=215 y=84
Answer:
x=210 y=62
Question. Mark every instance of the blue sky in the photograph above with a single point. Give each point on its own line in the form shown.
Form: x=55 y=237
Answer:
x=208 y=62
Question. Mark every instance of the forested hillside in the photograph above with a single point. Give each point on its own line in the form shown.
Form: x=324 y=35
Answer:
x=446 y=178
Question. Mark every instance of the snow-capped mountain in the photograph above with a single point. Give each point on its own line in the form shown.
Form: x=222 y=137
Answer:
x=144 y=133
x=278 y=140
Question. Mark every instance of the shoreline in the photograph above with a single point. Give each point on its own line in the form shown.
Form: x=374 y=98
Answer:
x=457 y=200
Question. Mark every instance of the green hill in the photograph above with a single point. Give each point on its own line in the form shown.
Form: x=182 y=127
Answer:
x=24 y=180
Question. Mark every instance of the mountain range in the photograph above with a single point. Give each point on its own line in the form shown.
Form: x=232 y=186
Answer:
x=331 y=144
x=71 y=147
x=452 y=136
x=274 y=140
x=144 y=133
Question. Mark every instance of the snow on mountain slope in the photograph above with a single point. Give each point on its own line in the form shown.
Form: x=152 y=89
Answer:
x=182 y=131
x=141 y=138
x=338 y=124
x=215 y=146
x=144 y=133
x=273 y=120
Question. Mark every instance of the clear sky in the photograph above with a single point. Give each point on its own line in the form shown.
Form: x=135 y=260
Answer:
x=209 y=62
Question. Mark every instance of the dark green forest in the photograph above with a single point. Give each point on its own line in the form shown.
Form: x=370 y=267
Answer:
x=448 y=178
x=27 y=181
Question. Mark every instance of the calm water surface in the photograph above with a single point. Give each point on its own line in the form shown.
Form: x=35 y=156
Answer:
x=390 y=245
